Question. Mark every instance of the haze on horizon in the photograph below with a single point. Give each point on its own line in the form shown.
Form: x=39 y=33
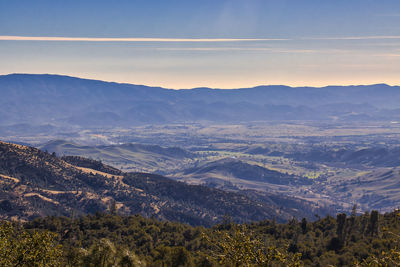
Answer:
x=221 y=44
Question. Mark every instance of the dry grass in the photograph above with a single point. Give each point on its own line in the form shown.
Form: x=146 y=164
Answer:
x=9 y=177
x=108 y=175
x=42 y=197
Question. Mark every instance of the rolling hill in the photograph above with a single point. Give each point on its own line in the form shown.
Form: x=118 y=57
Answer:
x=127 y=157
x=35 y=183
x=376 y=156
x=233 y=170
x=376 y=189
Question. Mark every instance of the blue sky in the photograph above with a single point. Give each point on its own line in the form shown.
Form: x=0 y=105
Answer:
x=299 y=42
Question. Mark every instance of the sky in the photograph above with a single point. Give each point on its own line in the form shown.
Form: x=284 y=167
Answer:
x=205 y=43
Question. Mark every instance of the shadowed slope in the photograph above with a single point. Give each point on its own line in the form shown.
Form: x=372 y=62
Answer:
x=35 y=183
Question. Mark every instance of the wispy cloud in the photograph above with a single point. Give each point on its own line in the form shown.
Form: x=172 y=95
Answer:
x=389 y=55
x=256 y=49
x=99 y=39
x=354 y=38
x=188 y=40
x=206 y=49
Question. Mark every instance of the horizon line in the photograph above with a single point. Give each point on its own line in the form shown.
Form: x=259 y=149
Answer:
x=199 y=87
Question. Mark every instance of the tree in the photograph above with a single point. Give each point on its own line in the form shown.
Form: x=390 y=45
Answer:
x=372 y=228
x=180 y=257
x=102 y=254
x=304 y=226
x=340 y=230
x=113 y=207
x=19 y=247
x=105 y=254
x=240 y=247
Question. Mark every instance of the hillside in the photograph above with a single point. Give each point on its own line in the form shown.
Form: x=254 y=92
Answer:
x=69 y=101
x=376 y=189
x=232 y=169
x=35 y=183
x=127 y=157
x=343 y=175
x=377 y=156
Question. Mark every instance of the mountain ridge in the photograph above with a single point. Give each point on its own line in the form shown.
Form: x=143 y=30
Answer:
x=68 y=102
x=262 y=86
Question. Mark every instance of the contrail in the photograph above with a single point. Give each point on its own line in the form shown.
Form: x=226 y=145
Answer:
x=100 y=39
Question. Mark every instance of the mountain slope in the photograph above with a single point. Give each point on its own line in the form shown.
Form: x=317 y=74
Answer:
x=376 y=189
x=237 y=169
x=35 y=183
x=128 y=157
x=376 y=156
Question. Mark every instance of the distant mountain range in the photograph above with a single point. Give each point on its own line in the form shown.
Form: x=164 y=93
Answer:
x=61 y=100
x=35 y=183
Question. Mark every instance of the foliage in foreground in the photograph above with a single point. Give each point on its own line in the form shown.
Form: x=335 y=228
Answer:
x=370 y=239
x=240 y=247
x=21 y=248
